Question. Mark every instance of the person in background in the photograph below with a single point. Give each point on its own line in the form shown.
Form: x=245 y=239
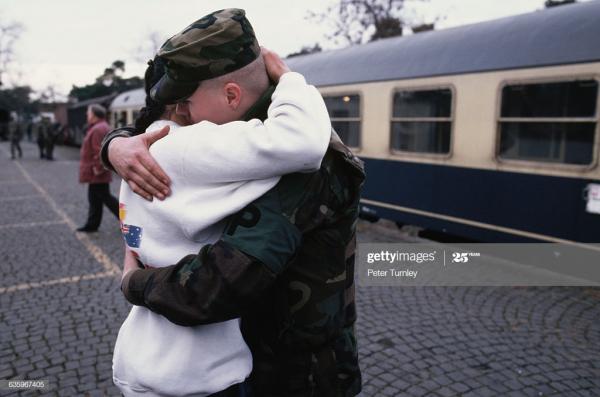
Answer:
x=42 y=132
x=53 y=131
x=92 y=172
x=15 y=134
x=29 y=131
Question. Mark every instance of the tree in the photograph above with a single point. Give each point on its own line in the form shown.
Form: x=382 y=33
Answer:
x=109 y=82
x=111 y=73
x=554 y=3
x=360 y=21
x=9 y=34
x=48 y=94
x=149 y=47
x=18 y=99
x=306 y=50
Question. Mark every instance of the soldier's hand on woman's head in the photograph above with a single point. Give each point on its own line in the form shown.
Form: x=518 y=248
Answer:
x=131 y=159
x=274 y=64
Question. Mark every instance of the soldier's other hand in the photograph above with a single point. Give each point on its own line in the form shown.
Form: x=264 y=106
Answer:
x=131 y=159
x=274 y=64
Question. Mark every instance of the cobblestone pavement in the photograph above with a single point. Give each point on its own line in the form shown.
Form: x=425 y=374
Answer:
x=61 y=309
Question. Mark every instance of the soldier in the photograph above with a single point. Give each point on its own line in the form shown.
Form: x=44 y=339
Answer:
x=285 y=263
x=53 y=131
x=15 y=134
x=42 y=133
x=29 y=130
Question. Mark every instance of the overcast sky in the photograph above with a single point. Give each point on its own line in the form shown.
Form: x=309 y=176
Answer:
x=68 y=42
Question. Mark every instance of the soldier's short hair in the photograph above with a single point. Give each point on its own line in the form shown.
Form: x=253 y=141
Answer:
x=98 y=110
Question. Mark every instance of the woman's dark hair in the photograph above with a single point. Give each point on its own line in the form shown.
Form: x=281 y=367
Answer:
x=153 y=110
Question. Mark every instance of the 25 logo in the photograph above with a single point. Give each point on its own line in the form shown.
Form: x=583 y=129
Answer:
x=460 y=257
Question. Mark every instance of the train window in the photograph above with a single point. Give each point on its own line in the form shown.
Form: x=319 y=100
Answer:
x=123 y=119
x=422 y=121
x=344 y=111
x=549 y=122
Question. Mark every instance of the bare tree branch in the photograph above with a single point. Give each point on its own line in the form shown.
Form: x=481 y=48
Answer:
x=9 y=34
x=359 y=21
x=149 y=47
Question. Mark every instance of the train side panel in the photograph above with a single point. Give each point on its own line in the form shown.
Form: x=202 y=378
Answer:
x=470 y=191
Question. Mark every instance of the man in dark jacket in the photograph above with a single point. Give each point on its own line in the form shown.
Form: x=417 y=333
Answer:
x=285 y=263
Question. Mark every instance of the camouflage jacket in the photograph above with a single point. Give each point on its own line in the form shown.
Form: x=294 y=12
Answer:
x=42 y=131
x=15 y=131
x=285 y=264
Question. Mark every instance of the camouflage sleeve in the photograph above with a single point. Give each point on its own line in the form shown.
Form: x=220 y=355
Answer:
x=223 y=280
x=120 y=132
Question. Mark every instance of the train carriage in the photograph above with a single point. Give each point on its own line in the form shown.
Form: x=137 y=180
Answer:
x=488 y=131
x=125 y=108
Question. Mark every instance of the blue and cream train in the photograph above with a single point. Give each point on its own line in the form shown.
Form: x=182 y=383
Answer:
x=488 y=131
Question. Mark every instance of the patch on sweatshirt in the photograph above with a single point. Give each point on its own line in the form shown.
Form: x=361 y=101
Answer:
x=132 y=235
x=122 y=212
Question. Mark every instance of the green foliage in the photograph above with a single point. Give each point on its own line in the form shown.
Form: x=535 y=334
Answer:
x=109 y=82
x=17 y=99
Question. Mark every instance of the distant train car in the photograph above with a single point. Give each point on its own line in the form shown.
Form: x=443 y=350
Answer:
x=122 y=110
x=488 y=131
x=125 y=107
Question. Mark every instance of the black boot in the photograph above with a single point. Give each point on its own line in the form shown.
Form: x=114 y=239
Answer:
x=86 y=229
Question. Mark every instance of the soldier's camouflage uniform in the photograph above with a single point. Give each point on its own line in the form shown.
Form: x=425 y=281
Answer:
x=42 y=137
x=285 y=264
x=15 y=134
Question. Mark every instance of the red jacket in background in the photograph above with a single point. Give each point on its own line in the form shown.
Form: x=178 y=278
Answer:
x=91 y=169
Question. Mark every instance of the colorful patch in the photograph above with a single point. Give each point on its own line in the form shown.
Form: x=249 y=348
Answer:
x=132 y=235
x=122 y=212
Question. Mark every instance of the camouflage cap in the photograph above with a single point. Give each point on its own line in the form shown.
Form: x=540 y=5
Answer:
x=217 y=44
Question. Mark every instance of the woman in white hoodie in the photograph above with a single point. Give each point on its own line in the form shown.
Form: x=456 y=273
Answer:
x=215 y=171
